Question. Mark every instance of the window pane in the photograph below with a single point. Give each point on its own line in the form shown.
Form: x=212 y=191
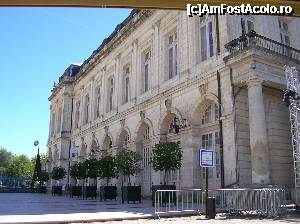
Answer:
x=243 y=26
x=216 y=112
x=126 y=89
x=210 y=35
x=250 y=25
x=175 y=60
x=146 y=78
x=170 y=62
x=287 y=40
x=203 y=43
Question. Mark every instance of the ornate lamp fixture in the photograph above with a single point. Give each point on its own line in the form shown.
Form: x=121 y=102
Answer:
x=178 y=124
x=289 y=95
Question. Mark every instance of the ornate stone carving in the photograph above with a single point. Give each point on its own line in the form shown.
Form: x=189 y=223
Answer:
x=203 y=88
x=106 y=130
x=83 y=148
x=168 y=104
x=122 y=122
x=142 y=115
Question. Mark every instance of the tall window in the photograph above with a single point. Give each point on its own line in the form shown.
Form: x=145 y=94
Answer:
x=247 y=24
x=147 y=56
x=98 y=98
x=86 y=110
x=206 y=37
x=77 y=113
x=58 y=125
x=126 y=85
x=172 y=55
x=212 y=141
x=53 y=125
x=284 y=32
x=110 y=94
x=210 y=114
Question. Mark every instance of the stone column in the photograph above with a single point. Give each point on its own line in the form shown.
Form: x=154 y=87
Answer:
x=258 y=134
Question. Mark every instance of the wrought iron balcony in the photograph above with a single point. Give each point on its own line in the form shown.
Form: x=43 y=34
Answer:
x=254 y=40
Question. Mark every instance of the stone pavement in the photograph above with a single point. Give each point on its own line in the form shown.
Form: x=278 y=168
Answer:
x=38 y=208
x=220 y=219
x=42 y=208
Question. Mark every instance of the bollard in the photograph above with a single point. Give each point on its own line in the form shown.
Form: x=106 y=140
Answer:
x=211 y=208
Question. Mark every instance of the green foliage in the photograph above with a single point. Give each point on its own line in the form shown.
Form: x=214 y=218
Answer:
x=128 y=163
x=37 y=170
x=167 y=157
x=106 y=168
x=91 y=167
x=20 y=166
x=5 y=157
x=44 y=176
x=58 y=173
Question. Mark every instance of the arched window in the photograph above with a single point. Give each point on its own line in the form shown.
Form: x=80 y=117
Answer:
x=97 y=103
x=110 y=94
x=284 y=31
x=247 y=24
x=172 y=53
x=126 y=85
x=206 y=37
x=87 y=106
x=77 y=113
x=147 y=56
x=58 y=125
x=210 y=114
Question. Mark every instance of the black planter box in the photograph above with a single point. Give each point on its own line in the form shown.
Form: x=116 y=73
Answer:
x=42 y=189
x=56 y=190
x=164 y=196
x=131 y=193
x=76 y=191
x=108 y=192
x=91 y=192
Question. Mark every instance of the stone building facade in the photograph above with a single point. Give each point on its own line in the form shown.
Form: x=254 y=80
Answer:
x=159 y=65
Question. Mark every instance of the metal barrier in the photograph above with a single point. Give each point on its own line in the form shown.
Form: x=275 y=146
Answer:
x=269 y=202
x=174 y=201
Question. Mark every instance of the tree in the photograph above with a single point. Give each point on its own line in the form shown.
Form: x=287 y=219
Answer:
x=167 y=157
x=37 y=171
x=58 y=173
x=128 y=163
x=107 y=168
x=44 y=176
x=78 y=171
x=20 y=166
x=91 y=167
x=5 y=159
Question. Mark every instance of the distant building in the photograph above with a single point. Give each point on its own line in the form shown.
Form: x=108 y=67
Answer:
x=160 y=65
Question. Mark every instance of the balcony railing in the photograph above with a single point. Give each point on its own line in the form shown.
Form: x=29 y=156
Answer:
x=252 y=39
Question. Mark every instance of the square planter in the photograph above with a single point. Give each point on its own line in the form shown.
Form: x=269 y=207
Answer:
x=76 y=191
x=91 y=192
x=165 y=196
x=131 y=193
x=42 y=189
x=108 y=192
x=56 y=190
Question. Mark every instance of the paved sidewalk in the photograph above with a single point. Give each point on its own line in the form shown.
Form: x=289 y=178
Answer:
x=38 y=208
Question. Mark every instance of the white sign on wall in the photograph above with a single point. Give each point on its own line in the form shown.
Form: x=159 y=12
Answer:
x=206 y=158
x=74 y=153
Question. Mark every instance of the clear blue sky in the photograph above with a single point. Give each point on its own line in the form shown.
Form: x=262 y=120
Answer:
x=36 y=46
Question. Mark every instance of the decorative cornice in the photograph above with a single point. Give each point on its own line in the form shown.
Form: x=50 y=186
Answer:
x=123 y=30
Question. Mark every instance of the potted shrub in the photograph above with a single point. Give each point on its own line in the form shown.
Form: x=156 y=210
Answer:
x=106 y=170
x=91 y=172
x=78 y=172
x=167 y=157
x=44 y=177
x=57 y=174
x=129 y=164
